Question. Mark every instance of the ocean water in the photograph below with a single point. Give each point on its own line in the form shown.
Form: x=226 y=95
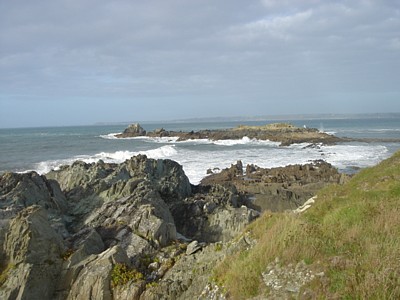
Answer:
x=43 y=149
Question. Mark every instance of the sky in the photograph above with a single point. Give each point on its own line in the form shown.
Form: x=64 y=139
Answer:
x=75 y=62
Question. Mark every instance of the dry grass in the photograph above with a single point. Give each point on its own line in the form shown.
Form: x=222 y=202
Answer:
x=268 y=127
x=352 y=232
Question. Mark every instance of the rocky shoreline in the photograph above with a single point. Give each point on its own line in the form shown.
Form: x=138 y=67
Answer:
x=284 y=133
x=136 y=230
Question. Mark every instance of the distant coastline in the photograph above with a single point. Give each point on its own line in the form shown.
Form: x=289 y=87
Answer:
x=289 y=117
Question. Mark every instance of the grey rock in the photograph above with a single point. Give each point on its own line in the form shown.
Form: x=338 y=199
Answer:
x=33 y=249
x=286 y=281
x=91 y=279
x=193 y=247
x=88 y=186
x=23 y=190
x=144 y=213
x=85 y=243
x=133 y=130
x=131 y=291
x=278 y=189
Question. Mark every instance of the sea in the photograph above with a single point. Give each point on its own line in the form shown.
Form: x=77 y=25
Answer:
x=46 y=148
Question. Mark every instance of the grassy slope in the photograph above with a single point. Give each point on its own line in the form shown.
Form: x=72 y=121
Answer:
x=352 y=233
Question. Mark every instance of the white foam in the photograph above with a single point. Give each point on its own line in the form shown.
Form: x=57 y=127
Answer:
x=110 y=136
x=196 y=142
x=244 y=141
x=110 y=157
x=196 y=160
x=117 y=157
x=344 y=156
x=166 y=139
x=162 y=152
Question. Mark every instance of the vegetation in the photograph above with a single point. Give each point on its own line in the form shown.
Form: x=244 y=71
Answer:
x=67 y=254
x=121 y=275
x=352 y=234
x=273 y=126
x=4 y=273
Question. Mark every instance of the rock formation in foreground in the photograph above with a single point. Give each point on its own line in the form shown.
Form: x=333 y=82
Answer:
x=277 y=189
x=284 y=133
x=136 y=230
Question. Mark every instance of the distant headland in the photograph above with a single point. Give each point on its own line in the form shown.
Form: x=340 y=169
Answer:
x=265 y=118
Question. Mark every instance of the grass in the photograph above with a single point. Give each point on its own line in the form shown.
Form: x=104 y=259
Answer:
x=5 y=272
x=121 y=275
x=352 y=233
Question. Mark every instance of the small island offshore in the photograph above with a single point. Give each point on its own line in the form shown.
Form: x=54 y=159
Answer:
x=140 y=230
x=284 y=133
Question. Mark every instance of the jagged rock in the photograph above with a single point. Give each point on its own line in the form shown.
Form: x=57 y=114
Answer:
x=278 y=189
x=18 y=191
x=112 y=181
x=85 y=243
x=144 y=212
x=23 y=190
x=133 y=130
x=129 y=213
x=91 y=278
x=33 y=249
x=227 y=175
x=213 y=214
x=130 y=291
x=187 y=278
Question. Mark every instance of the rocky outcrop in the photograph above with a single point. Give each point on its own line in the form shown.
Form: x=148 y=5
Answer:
x=136 y=230
x=92 y=278
x=278 y=189
x=284 y=133
x=32 y=256
x=143 y=213
x=133 y=130
x=214 y=213
x=89 y=186
x=20 y=191
x=23 y=190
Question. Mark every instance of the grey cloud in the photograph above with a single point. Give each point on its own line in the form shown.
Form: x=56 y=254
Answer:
x=257 y=52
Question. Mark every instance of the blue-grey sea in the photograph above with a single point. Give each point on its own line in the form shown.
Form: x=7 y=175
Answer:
x=43 y=149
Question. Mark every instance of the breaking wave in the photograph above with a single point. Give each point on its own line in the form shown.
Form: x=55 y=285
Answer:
x=197 y=157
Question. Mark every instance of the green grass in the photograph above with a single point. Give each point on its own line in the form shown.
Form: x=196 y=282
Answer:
x=357 y=225
x=5 y=272
x=121 y=275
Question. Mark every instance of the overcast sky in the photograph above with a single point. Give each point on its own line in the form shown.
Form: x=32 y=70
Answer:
x=85 y=61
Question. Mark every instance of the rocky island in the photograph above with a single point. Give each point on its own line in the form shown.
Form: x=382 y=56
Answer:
x=141 y=230
x=284 y=133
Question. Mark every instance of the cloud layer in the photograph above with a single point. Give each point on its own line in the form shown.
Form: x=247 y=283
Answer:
x=126 y=60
